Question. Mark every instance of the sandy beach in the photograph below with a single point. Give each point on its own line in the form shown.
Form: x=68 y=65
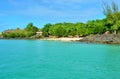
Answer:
x=63 y=39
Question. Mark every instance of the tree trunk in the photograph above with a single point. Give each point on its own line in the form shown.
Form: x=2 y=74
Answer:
x=115 y=32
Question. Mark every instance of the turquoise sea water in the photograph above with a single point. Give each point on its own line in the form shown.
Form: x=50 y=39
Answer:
x=35 y=59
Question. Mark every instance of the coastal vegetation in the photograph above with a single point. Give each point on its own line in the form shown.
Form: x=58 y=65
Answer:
x=110 y=24
x=74 y=29
x=29 y=31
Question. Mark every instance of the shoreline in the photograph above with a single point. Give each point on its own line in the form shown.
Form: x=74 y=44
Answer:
x=48 y=38
x=63 y=39
x=95 y=38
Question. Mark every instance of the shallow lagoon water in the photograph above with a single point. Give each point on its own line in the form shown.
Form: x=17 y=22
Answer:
x=36 y=59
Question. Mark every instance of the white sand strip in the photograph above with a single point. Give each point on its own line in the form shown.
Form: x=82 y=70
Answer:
x=63 y=39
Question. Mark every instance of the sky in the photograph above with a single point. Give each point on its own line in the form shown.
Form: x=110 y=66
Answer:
x=18 y=13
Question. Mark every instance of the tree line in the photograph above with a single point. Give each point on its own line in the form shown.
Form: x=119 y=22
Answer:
x=111 y=23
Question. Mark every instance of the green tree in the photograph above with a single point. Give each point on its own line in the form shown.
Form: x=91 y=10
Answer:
x=109 y=9
x=116 y=27
x=31 y=27
x=112 y=16
x=46 y=29
x=31 y=30
x=60 y=31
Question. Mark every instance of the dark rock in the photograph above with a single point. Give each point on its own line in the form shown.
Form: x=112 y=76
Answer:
x=104 y=38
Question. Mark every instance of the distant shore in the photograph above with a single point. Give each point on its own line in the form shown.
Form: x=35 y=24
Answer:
x=95 y=38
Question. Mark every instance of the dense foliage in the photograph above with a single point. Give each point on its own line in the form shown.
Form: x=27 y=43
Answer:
x=29 y=31
x=74 y=29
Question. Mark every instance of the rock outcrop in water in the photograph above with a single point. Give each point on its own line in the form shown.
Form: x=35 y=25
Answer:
x=104 y=38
